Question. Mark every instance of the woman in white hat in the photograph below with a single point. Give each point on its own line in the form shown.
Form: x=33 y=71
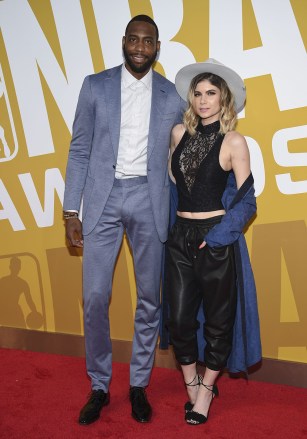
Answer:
x=205 y=149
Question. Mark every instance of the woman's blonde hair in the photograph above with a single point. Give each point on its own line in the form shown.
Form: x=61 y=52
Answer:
x=228 y=115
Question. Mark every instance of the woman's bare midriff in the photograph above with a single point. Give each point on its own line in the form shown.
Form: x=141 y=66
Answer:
x=201 y=215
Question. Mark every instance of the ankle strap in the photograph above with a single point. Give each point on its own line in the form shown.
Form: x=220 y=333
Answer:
x=199 y=381
x=208 y=386
x=211 y=387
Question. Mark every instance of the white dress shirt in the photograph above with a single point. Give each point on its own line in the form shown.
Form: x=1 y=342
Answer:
x=134 y=126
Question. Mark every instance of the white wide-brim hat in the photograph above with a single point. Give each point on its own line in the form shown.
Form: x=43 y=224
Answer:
x=234 y=81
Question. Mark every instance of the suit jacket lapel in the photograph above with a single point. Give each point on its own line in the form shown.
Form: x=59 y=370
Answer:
x=158 y=100
x=113 y=103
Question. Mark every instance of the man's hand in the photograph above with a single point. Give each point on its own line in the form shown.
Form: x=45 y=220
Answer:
x=202 y=245
x=74 y=235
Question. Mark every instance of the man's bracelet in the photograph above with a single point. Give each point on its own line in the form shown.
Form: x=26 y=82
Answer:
x=68 y=215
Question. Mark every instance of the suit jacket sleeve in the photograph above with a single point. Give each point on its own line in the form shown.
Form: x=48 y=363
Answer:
x=80 y=148
x=182 y=109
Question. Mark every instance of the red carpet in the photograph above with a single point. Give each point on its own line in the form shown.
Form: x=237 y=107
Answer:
x=41 y=395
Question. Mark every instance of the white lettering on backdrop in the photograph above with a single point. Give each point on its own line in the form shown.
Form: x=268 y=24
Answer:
x=283 y=54
x=9 y=211
x=285 y=158
x=43 y=216
x=29 y=54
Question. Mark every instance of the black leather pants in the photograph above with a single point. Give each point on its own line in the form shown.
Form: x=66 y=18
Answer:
x=193 y=276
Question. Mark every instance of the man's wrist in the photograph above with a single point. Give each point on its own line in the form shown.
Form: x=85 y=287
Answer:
x=70 y=214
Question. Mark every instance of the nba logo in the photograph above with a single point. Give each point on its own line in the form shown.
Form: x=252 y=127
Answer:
x=8 y=137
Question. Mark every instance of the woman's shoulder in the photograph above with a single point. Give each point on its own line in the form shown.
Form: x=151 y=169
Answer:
x=237 y=147
x=178 y=129
x=235 y=140
x=177 y=133
x=234 y=137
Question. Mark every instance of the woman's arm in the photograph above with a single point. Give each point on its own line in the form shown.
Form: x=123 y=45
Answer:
x=238 y=156
x=176 y=135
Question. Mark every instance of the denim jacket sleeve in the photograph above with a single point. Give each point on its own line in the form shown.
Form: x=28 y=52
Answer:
x=240 y=207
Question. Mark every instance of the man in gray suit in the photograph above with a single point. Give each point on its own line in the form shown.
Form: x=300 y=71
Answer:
x=118 y=163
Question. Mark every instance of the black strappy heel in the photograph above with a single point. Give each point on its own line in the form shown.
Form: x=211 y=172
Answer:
x=188 y=406
x=195 y=418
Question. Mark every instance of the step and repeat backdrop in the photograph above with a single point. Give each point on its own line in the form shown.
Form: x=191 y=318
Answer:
x=47 y=47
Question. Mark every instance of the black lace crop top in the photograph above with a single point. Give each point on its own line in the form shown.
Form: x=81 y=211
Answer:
x=199 y=176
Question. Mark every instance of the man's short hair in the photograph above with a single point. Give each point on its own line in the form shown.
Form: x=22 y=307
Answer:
x=145 y=18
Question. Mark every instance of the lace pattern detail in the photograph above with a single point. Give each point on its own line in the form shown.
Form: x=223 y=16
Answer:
x=194 y=152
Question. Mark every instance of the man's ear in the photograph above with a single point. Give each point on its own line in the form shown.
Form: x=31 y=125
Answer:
x=123 y=41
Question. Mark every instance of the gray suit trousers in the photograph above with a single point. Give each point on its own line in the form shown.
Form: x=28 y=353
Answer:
x=128 y=208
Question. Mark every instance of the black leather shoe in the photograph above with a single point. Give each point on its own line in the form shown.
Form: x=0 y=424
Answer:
x=91 y=411
x=141 y=409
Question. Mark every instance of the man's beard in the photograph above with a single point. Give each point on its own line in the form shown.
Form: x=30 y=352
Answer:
x=144 y=67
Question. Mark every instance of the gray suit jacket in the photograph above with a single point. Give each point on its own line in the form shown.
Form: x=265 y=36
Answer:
x=93 y=151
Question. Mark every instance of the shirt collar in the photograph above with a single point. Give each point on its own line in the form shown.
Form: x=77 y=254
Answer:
x=128 y=79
